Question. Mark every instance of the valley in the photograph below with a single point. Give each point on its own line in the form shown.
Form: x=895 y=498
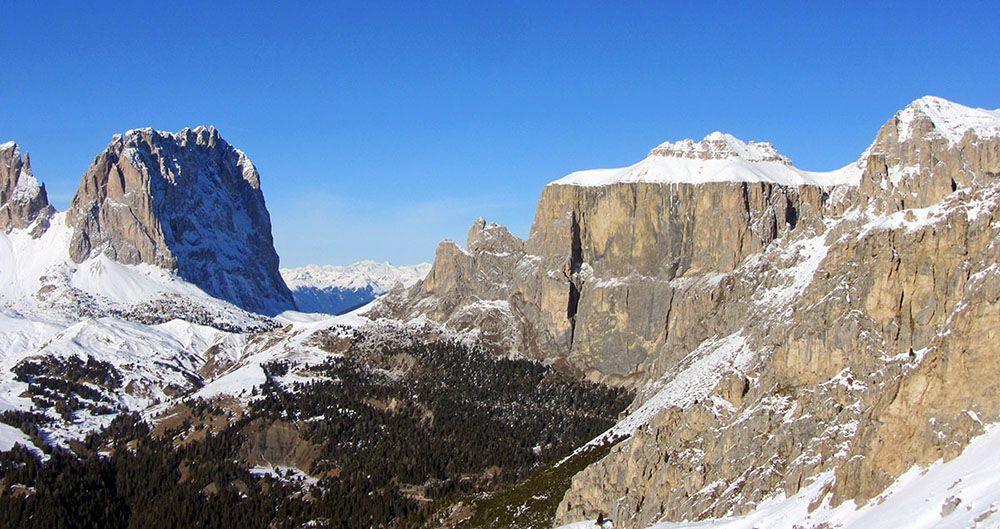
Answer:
x=710 y=337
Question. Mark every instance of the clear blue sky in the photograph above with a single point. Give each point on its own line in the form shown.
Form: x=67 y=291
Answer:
x=380 y=129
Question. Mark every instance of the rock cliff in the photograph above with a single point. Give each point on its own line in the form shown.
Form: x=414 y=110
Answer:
x=782 y=327
x=22 y=198
x=603 y=283
x=187 y=202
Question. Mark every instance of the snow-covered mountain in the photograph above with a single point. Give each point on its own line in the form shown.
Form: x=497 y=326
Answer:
x=799 y=341
x=719 y=157
x=115 y=305
x=188 y=202
x=335 y=289
x=22 y=196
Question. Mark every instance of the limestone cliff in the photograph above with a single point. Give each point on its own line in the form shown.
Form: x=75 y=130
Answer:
x=782 y=326
x=603 y=283
x=22 y=197
x=187 y=202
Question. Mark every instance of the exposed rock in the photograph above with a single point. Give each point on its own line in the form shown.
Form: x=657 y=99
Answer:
x=187 y=202
x=22 y=197
x=928 y=150
x=600 y=284
x=466 y=289
x=780 y=330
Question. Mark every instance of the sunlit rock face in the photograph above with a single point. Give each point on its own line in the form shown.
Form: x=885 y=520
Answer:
x=22 y=198
x=185 y=201
x=782 y=326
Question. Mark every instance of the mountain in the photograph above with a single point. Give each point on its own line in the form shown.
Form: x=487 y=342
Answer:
x=85 y=336
x=788 y=332
x=334 y=289
x=709 y=337
x=187 y=202
x=22 y=198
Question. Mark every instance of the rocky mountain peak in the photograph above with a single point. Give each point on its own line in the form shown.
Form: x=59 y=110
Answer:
x=720 y=146
x=186 y=201
x=22 y=197
x=935 y=117
x=492 y=237
x=923 y=153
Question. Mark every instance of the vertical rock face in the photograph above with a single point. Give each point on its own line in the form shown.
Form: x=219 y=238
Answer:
x=187 y=202
x=782 y=326
x=22 y=198
x=622 y=254
x=600 y=284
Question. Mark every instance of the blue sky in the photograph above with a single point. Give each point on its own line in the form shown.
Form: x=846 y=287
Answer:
x=380 y=129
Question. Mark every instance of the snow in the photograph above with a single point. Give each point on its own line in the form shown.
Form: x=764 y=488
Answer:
x=719 y=145
x=27 y=187
x=333 y=289
x=961 y=493
x=803 y=258
x=951 y=120
x=693 y=380
x=24 y=260
x=717 y=158
x=53 y=307
x=283 y=473
x=974 y=204
x=721 y=157
x=33 y=270
x=126 y=284
x=149 y=358
x=382 y=277
x=238 y=381
x=295 y=345
x=10 y=436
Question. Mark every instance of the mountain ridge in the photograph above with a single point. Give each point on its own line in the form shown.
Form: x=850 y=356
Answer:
x=778 y=332
x=783 y=339
x=335 y=289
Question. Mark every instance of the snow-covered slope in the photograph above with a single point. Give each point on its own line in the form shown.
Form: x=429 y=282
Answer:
x=133 y=334
x=334 y=289
x=961 y=493
x=38 y=277
x=719 y=157
x=951 y=120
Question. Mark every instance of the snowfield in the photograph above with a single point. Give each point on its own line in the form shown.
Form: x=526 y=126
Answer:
x=718 y=157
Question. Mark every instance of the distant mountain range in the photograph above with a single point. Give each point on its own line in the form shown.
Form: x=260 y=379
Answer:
x=336 y=289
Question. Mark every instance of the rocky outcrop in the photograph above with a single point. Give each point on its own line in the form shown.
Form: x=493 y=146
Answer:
x=927 y=151
x=863 y=373
x=466 y=289
x=187 y=202
x=780 y=331
x=22 y=197
x=613 y=264
x=883 y=359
